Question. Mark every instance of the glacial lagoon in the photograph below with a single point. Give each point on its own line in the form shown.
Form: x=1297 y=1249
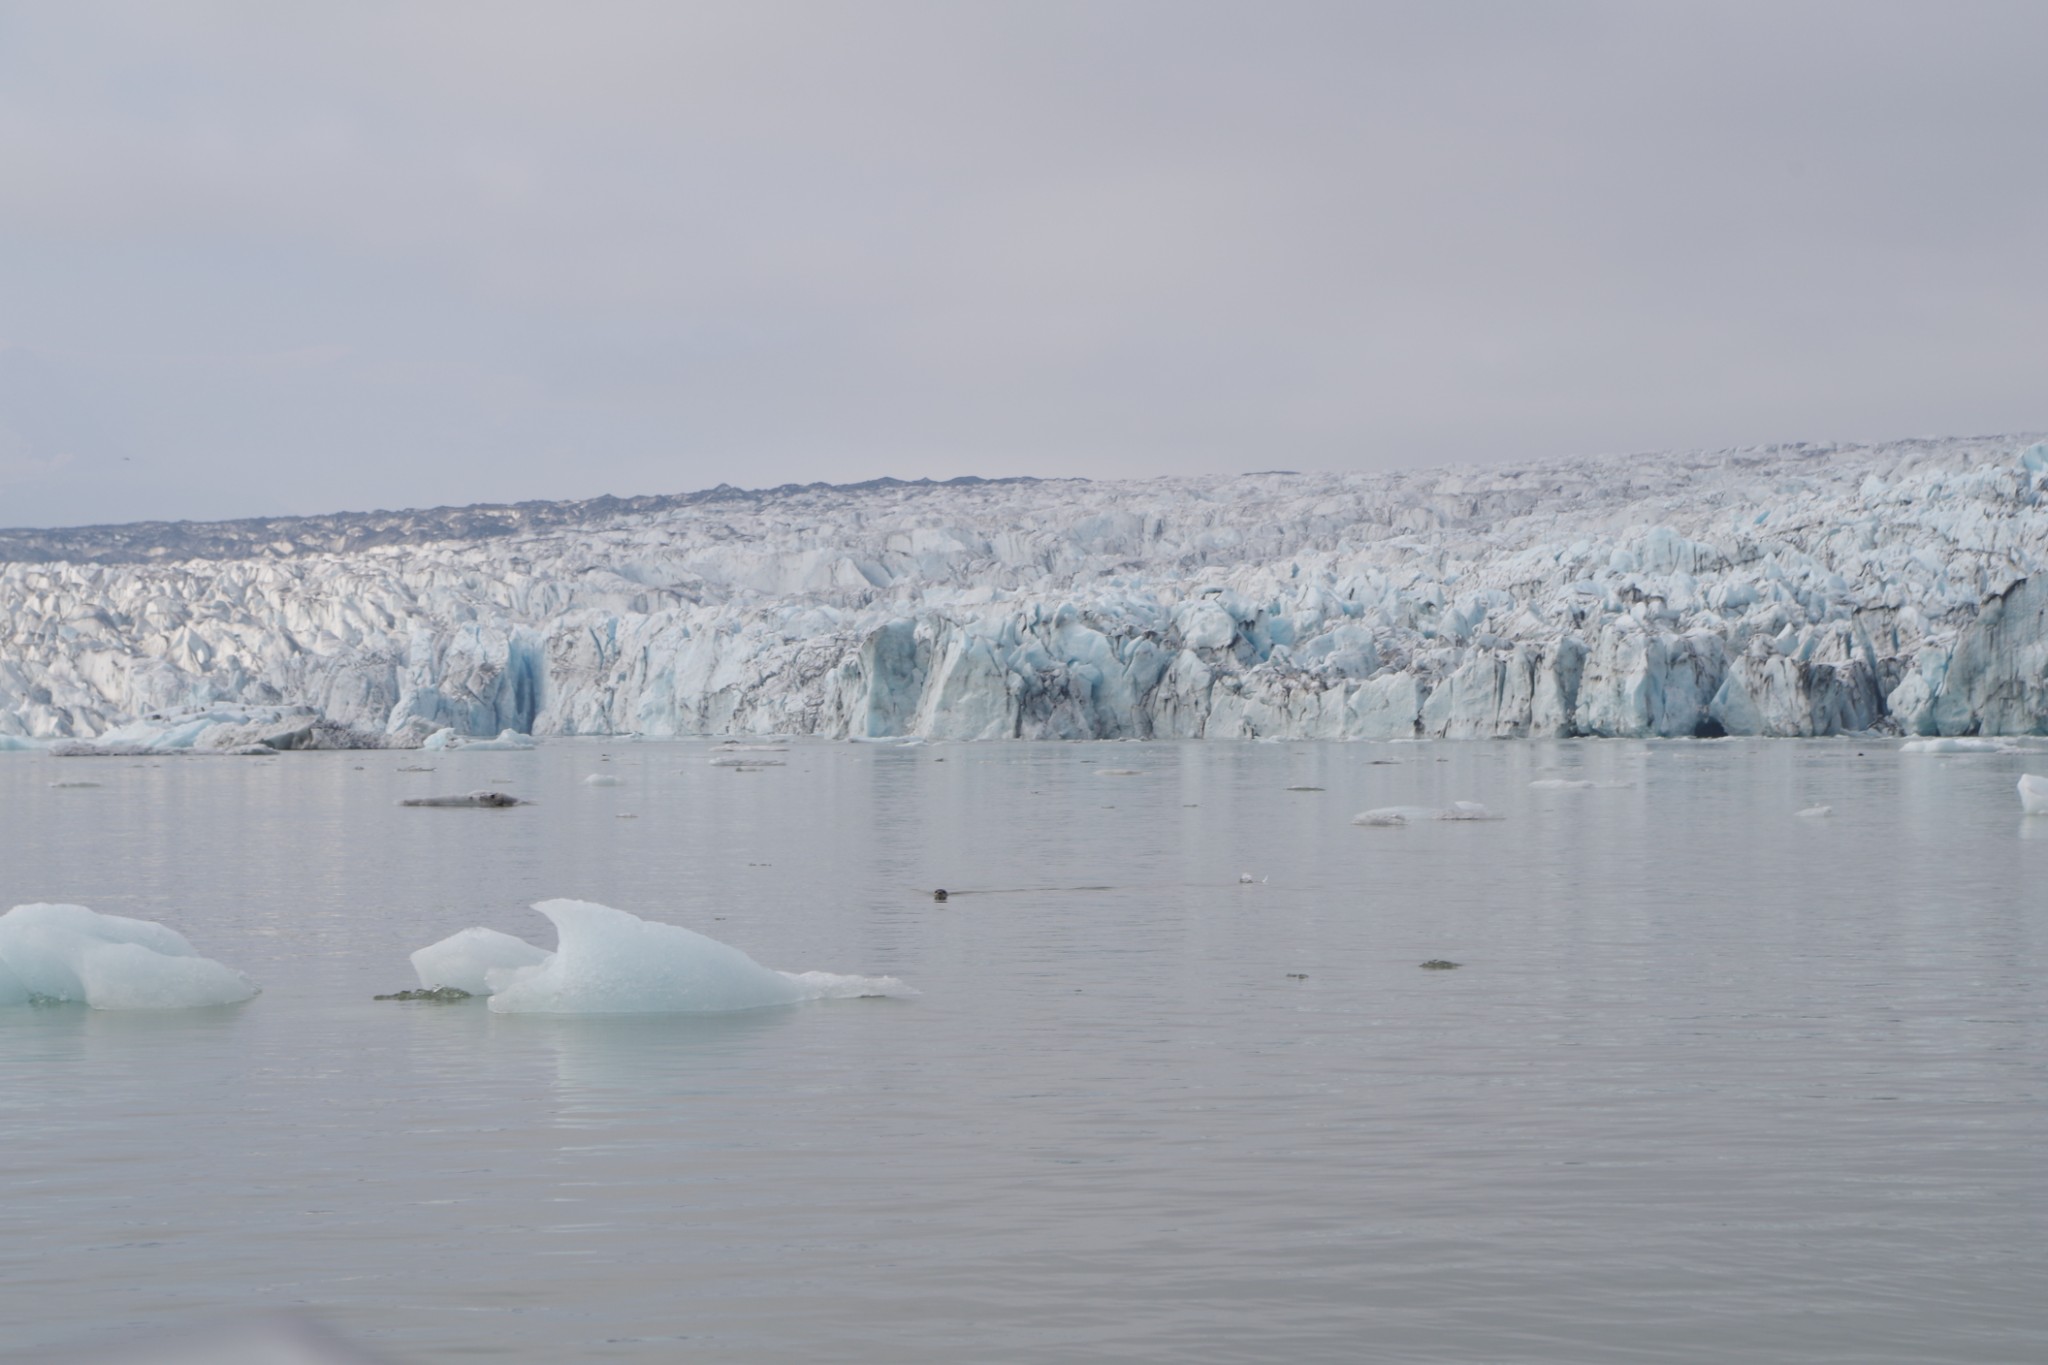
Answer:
x=1713 y=1080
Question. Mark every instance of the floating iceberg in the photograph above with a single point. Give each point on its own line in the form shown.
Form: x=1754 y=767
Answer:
x=447 y=738
x=1816 y=812
x=603 y=780
x=67 y=952
x=2034 y=794
x=20 y=742
x=1401 y=815
x=465 y=959
x=612 y=962
x=1959 y=746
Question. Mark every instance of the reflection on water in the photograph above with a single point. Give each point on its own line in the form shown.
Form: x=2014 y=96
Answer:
x=1714 y=1082
x=603 y=1062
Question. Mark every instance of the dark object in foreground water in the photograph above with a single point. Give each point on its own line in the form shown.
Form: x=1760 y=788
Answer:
x=1297 y=976
x=440 y=995
x=939 y=894
x=1437 y=964
x=483 y=798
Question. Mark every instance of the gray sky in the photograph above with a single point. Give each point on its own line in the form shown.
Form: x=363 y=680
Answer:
x=278 y=257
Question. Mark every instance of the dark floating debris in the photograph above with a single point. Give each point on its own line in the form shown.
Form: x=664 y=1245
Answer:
x=440 y=995
x=489 y=799
x=1297 y=976
x=1438 y=964
x=943 y=894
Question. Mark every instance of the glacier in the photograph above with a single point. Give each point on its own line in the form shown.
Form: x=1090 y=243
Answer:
x=1786 y=591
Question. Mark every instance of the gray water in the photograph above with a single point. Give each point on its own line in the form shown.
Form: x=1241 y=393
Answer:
x=1714 y=1082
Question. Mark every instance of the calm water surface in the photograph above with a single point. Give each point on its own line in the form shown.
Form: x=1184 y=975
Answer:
x=1714 y=1083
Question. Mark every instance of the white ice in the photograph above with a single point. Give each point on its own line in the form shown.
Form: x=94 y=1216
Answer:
x=603 y=780
x=1401 y=815
x=1794 y=591
x=611 y=962
x=2034 y=794
x=1817 y=812
x=1959 y=746
x=110 y=962
x=464 y=960
x=447 y=738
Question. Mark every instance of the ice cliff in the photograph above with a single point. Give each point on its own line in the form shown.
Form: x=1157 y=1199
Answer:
x=1796 y=590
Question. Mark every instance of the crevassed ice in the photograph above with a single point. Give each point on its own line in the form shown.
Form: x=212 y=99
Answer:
x=1801 y=590
x=610 y=961
x=110 y=962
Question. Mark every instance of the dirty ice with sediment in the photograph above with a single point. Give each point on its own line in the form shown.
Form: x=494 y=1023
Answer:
x=1786 y=591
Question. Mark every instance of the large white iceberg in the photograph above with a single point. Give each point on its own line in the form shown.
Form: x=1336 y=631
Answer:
x=2034 y=794
x=110 y=962
x=611 y=962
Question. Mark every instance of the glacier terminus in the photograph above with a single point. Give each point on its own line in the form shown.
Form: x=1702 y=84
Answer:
x=1787 y=591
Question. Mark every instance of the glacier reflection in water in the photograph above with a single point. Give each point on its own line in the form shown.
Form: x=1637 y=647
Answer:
x=1713 y=1082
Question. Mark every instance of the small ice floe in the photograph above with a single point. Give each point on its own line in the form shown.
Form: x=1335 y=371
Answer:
x=1246 y=879
x=1816 y=812
x=1960 y=746
x=735 y=761
x=755 y=748
x=446 y=738
x=1562 y=784
x=1402 y=815
x=110 y=962
x=462 y=960
x=603 y=780
x=73 y=786
x=2034 y=795
x=1119 y=772
x=611 y=962
x=417 y=768
x=490 y=800
x=1304 y=789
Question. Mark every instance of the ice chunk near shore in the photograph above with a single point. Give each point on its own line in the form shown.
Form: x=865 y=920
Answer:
x=110 y=962
x=603 y=780
x=20 y=742
x=612 y=962
x=2034 y=794
x=1816 y=812
x=463 y=960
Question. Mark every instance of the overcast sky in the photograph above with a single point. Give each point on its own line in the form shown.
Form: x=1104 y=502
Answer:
x=279 y=257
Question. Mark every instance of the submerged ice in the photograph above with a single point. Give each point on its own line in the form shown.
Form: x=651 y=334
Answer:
x=609 y=961
x=1795 y=590
x=110 y=962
